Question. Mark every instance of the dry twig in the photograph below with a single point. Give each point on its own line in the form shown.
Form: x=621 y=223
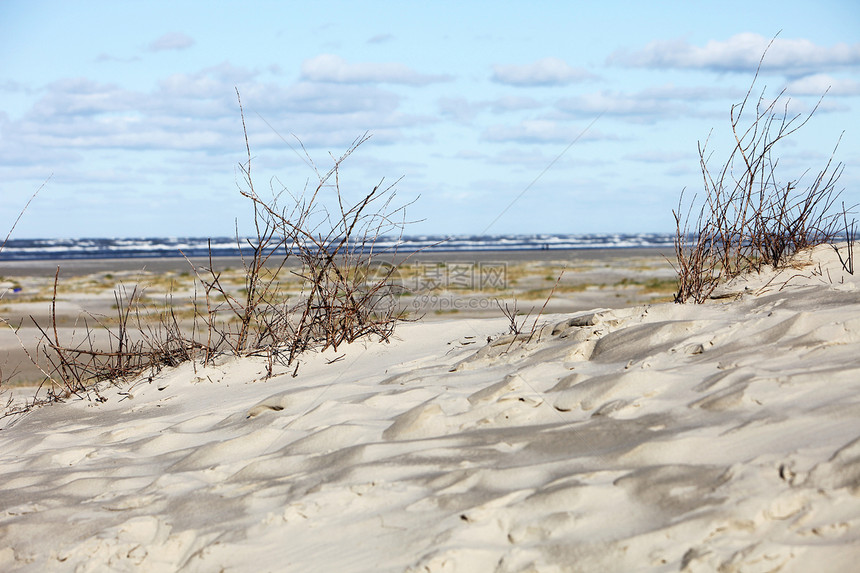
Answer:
x=749 y=218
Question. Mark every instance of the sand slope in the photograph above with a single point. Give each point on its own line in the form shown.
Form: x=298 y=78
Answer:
x=664 y=438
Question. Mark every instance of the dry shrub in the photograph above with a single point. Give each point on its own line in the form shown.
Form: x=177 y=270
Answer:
x=516 y=328
x=135 y=343
x=347 y=292
x=750 y=218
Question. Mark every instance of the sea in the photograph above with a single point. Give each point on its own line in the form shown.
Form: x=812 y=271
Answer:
x=158 y=247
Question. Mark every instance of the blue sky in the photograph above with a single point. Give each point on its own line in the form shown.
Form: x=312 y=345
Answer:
x=130 y=107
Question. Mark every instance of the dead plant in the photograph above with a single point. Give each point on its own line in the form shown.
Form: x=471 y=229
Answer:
x=333 y=250
x=749 y=218
x=516 y=328
x=515 y=325
x=136 y=342
x=337 y=253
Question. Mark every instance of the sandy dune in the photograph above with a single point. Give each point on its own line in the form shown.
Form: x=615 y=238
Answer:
x=667 y=437
x=606 y=278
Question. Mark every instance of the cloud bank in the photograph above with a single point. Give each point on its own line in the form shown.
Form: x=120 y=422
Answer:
x=334 y=69
x=545 y=72
x=741 y=53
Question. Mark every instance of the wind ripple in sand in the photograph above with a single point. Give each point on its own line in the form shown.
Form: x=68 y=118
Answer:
x=664 y=438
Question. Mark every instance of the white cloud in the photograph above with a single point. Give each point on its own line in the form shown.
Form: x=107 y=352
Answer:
x=464 y=111
x=18 y=156
x=537 y=158
x=209 y=85
x=199 y=111
x=334 y=69
x=817 y=84
x=11 y=86
x=545 y=72
x=103 y=57
x=741 y=53
x=510 y=103
x=690 y=93
x=658 y=156
x=306 y=97
x=459 y=109
x=470 y=155
x=82 y=97
x=636 y=107
x=171 y=41
x=380 y=39
x=537 y=131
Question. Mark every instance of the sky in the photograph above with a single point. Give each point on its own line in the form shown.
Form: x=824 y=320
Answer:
x=510 y=117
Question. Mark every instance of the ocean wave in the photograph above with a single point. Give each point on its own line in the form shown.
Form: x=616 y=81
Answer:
x=91 y=248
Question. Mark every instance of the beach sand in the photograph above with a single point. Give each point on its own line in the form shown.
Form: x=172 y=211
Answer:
x=437 y=286
x=646 y=437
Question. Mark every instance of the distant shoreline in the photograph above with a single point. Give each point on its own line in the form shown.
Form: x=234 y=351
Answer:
x=87 y=266
x=201 y=247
